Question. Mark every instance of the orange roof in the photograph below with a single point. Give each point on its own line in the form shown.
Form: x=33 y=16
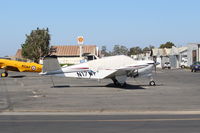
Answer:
x=74 y=50
x=67 y=50
x=19 y=54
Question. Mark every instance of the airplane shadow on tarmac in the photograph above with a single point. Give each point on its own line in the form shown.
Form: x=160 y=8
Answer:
x=17 y=76
x=127 y=87
x=111 y=85
x=60 y=86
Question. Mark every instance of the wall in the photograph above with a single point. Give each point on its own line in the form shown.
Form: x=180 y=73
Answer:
x=191 y=47
x=67 y=60
x=70 y=60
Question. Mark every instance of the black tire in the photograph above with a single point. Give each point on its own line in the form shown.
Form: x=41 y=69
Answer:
x=4 y=74
x=152 y=83
x=116 y=83
x=124 y=85
x=182 y=66
x=191 y=70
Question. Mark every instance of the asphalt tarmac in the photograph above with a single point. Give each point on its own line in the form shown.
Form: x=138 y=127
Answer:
x=100 y=123
x=176 y=90
x=32 y=103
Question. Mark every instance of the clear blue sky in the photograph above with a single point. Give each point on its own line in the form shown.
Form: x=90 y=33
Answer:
x=101 y=22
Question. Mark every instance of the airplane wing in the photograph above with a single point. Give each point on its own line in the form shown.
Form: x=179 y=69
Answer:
x=10 y=68
x=125 y=71
x=6 y=65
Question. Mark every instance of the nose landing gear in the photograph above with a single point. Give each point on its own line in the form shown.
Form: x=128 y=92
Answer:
x=152 y=83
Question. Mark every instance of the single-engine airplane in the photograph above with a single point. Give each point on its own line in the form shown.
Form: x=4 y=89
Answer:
x=118 y=68
x=19 y=66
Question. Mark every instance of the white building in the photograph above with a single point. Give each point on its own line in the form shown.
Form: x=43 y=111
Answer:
x=161 y=55
x=144 y=56
x=176 y=56
x=193 y=53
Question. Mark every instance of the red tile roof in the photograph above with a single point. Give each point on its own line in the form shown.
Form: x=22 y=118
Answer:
x=19 y=54
x=67 y=50
x=74 y=50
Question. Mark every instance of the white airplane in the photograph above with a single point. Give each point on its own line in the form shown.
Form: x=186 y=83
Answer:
x=118 y=68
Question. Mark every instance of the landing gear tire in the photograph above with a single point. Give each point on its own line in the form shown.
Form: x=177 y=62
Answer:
x=182 y=66
x=124 y=85
x=152 y=83
x=4 y=74
x=116 y=83
x=120 y=84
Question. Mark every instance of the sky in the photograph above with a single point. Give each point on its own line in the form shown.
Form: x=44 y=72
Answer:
x=101 y=22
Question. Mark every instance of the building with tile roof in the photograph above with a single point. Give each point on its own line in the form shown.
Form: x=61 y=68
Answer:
x=68 y=54
x=74 y=50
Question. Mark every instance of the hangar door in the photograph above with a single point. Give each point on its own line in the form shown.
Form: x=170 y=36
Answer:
x=173 y=59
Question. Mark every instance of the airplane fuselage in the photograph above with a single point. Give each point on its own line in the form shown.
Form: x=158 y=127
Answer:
x=104 y=68
x=12 y=65
x=117 y=68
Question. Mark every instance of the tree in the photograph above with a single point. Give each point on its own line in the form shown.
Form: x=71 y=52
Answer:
x=36 y=45
x=167 y=45
x=119 y=50
x=135 y=50
x=151 y=47
x=146 y=49
x=104 y=51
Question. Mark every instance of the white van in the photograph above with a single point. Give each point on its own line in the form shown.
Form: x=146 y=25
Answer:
x=184 y=63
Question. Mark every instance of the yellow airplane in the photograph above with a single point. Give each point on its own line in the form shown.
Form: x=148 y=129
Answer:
x=19 y=66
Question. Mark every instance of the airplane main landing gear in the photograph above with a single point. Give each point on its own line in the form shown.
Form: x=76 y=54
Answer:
x=4 y=74
x=116 y=83
x=120 y=84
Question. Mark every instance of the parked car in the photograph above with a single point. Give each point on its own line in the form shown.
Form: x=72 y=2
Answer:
x=195 y=67
x=184 y=64
x=166 y=65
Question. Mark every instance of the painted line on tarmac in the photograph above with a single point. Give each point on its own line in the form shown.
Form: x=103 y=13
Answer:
x=102 y=120
x=61 y=112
